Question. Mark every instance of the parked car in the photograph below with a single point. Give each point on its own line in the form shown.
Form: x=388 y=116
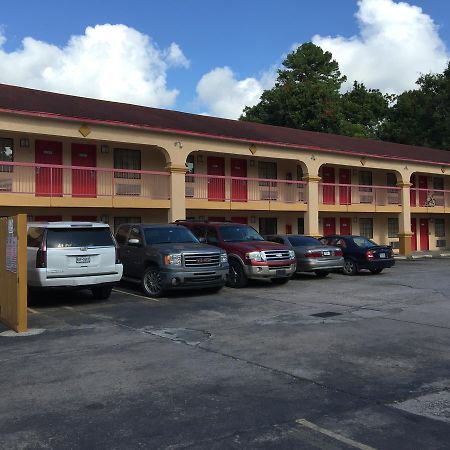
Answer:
x=311 y=254
x=167 y=257
x=78 y=255
x=249 y=255
x=362 y=253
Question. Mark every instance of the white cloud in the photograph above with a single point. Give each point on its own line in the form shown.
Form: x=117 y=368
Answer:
x=224 y=95
x=110 y=62
x=397 y=42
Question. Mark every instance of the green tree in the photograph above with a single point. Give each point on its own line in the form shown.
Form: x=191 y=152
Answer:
x=305 y=95
x=364 y=111
x=422 y=116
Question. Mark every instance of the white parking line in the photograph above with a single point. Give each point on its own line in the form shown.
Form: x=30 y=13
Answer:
x=33 y=310
x=136 y=295
x=333 y=435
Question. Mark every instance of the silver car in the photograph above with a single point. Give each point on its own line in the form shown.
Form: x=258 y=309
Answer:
x=311 y=254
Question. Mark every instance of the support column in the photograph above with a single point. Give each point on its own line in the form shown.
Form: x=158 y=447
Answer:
x=404 y=232
x=312 y=198
x=177 y=192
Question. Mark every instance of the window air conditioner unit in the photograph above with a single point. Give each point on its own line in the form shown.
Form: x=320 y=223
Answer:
x=128 y=189
x=441 y=243
x=189 y=191
x=366 y=198
x=394 y=244
x=6 y=185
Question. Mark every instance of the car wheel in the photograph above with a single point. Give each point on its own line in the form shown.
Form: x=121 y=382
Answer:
x=376 y=271
x=152 y=282
x=279 y=280
x=321 y=273
x=350 y=267
x=236 y=275
x=101 y=292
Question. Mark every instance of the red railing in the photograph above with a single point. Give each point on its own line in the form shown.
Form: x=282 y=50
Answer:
x=237 y=189
x=429 y=198
x=352 y=194
x=45 y=180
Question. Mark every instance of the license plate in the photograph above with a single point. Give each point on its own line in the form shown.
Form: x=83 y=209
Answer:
x=326 y=253
x=382 y=255
x=83 y=259
x=281 y=272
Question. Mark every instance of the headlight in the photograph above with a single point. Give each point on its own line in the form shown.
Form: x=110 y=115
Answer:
x=223 y=258
x=291 y=254
x=173 y=260
x=256 y=256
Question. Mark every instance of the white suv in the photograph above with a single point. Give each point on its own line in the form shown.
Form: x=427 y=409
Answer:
x=80 y=255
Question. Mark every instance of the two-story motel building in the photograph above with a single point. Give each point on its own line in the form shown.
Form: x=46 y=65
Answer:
x=73 y=158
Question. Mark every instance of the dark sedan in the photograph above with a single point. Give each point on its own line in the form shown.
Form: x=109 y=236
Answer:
x=362 y=253
x=311 y=254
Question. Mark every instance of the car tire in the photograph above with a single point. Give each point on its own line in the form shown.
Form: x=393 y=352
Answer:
x=151 y=282
x=321 y=273
x=279 y=280
x=236 y=275
x=350 y=267
x=101 y=292
x=376 y=271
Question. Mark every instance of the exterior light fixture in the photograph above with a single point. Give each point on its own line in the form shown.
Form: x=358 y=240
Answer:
x=178 y=144
x=24 y=142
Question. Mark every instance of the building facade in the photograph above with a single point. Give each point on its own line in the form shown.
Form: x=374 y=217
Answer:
x=72 y=158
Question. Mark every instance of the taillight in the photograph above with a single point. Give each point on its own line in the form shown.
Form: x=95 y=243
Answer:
x=369 y=255
x=41 y=256
x=338 y=253
x=118 y=261
x=313 y=254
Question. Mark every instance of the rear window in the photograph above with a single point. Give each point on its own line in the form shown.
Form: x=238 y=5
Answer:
x=298 y=241
x=363 y=242
x=81 y=237
x=167 y=235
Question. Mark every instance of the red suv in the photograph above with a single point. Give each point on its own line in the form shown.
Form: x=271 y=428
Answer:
x=249 y=255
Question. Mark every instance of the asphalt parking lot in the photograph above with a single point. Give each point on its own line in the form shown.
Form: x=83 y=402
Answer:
x=337 y=363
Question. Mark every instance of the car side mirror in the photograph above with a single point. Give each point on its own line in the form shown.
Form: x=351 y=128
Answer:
x=135 y=242
x=202 y=240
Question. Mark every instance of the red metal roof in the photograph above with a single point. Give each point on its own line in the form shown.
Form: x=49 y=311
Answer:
x=35 y=102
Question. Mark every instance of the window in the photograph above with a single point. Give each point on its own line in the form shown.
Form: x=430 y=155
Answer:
x=439 y=227
x=190 y=168
x=267 y=225
x=393 y=227
x=6 y=154
x=169 y=235
x=34 y=237
x=122 y=234
x=303 y=241
x=120 y=220
x=80 y=237
x=366 y=227
x=212 y=237
x=239 y=233
x=301 y=225
x=438 y=183
x=127 y=160
x=267 y=170
x=365 y=179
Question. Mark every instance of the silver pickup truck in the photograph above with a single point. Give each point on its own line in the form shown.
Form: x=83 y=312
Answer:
x=164 y=257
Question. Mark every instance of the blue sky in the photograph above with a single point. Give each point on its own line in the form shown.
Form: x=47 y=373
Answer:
x=248 y=37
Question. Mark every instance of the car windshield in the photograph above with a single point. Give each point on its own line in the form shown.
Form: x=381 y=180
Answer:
x=363 y=242
x=299 y=241
x=169 y=235
x=79 y=237
x=239 y=233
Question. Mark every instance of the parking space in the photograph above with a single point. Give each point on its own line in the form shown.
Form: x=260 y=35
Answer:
x=332 y=363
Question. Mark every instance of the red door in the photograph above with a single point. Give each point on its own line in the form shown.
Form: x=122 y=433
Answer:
x=239 y=187
x=216 y=186
x=84 y=218
x=84 y=181
x=48 y=218
x=424 y=244
x=423 y=186
x=328 y=191
x=345 y=193
x=413 y=191
x=48 y=179
x=242 y=220
x=329 y=226
x=345 y=225
x=414 y=235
